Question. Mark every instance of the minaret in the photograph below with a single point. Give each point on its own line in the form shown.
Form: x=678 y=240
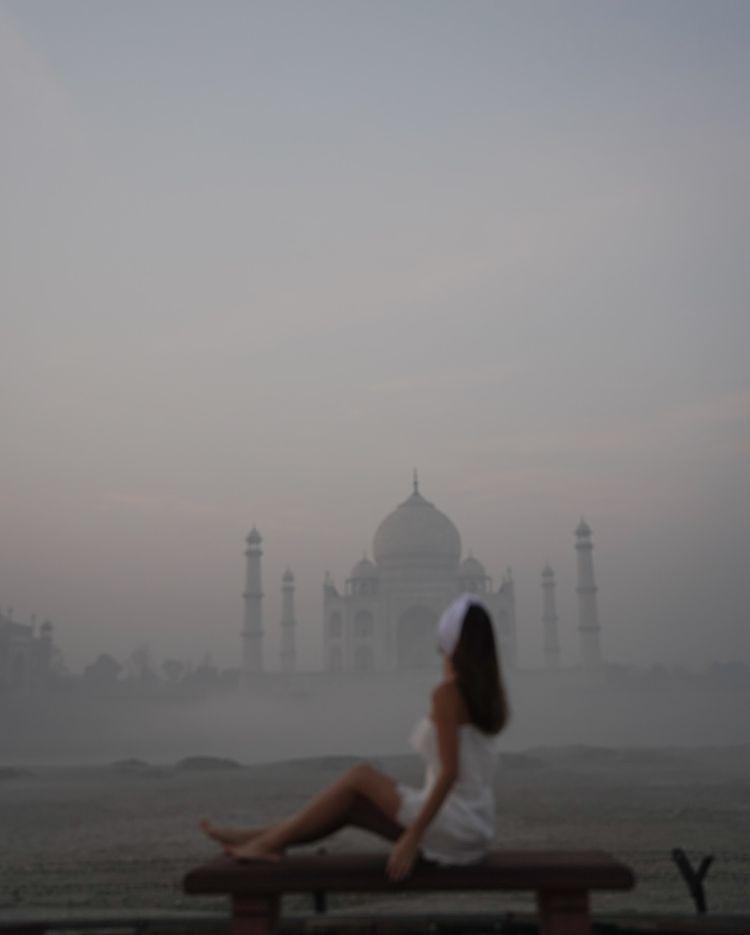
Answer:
x=549 y=620
x=252 y=630
x=288 y=623
x=510 y=650
x=588 y=617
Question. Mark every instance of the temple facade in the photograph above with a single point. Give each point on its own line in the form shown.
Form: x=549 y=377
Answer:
x=385 y=617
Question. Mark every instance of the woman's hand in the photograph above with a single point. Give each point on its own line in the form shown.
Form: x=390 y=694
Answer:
x=402 y=857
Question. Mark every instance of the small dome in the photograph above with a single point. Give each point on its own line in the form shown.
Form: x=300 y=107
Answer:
x=583 y=528
x=364 y=569
x=547 y=572
x=416 y=529
x=471 y=568
x=288 y=576
x=254 y=537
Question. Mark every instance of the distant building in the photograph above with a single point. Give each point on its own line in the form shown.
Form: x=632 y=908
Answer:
x=27 y=657
x=252 y=628
x=385 y=619
x=549 y=620
x=588 y=614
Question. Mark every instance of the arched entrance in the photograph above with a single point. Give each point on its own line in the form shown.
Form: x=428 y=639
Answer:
x=417 y=639
x=363 y=628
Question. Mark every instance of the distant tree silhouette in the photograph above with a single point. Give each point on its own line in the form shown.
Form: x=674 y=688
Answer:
x=104 y=673
x=140 y=667
x=173 y=670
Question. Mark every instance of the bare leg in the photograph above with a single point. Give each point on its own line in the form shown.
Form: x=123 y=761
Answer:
x=363 y=814
x=230 y=835
x=362 y=796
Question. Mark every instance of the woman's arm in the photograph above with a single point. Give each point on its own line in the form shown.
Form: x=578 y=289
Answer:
x=445 y=713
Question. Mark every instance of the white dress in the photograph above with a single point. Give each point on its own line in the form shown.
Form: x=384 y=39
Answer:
x=464 y=827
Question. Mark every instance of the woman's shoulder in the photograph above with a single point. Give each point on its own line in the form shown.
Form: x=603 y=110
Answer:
x=445 y=689
x=447 y=699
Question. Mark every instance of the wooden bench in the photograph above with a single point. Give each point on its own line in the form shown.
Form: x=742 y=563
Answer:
x=562 y=881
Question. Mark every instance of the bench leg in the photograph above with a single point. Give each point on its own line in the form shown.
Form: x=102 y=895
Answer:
x=563 y=912
x=255 y=915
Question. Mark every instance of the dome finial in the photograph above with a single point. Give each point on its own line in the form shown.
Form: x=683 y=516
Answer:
x=416 y=529
x=415 y=481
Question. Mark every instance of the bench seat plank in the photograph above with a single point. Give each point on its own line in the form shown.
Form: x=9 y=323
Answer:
x=501 y=870
x=562 y=881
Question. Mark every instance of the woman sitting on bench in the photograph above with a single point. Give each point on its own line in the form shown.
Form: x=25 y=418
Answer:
x=451 y=820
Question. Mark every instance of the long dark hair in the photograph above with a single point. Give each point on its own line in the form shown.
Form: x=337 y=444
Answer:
x=475 y=662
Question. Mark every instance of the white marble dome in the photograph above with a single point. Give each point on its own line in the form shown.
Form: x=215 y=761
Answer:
x=364 y=569
x=472 y=568
x=416 y=529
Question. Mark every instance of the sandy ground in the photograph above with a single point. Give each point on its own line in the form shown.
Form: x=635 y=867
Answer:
x=108 y=838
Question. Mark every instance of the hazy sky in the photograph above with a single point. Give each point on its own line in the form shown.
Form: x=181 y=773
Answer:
x=259 y=260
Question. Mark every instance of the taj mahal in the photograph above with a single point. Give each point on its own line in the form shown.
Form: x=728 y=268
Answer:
x=385 y=616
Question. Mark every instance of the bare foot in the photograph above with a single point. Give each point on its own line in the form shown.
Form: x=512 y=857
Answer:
x=229 y=836
x=252 y=850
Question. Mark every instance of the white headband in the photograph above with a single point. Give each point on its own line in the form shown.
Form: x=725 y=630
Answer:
x=450 y=624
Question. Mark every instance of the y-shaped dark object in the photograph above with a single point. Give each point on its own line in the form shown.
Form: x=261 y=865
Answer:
x=693 y=878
